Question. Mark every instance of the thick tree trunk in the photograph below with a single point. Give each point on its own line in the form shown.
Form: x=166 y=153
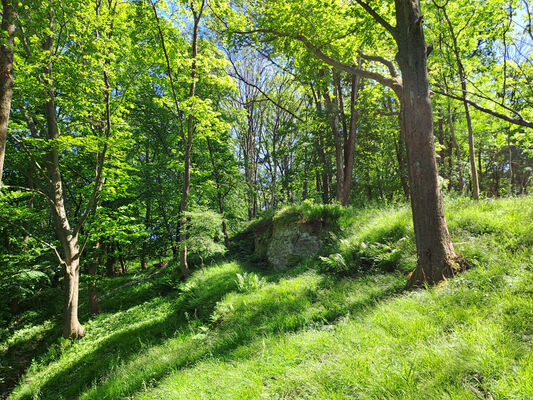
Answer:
x=71 y=326
x=436 y=256
x=6 y=74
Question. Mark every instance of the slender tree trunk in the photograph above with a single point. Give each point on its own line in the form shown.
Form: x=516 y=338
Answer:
x=144 y=248
x=436 y=256
x=462 y=78
x=92 y=270
x=123 y=267
x=349 y=143
x=110 y=260
x=510 y=165
x=218 y=183
x=344 y=136
x=332 y=110
x=400 y=156
x=188 y=147
x=69 y=241
x=6 y=74
x=457 y=148
x=306 y=176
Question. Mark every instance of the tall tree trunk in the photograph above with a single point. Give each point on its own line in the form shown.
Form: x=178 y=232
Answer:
x=94 y=307
x=510 y=164
x=123 y=266
x=144 y=248
x=457 y=148
x=197 y=15
x=349 y=143
x=436 y=256
x=343 y=135
x=220 y=197
x=69 y=241
x=462 y=78
x=332 y=109
x=321 y=144
x=110 y=259
x=6 y=74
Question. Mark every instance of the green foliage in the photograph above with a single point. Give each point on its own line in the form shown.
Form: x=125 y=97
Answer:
x=315 y=335
x=203 y=234
x=247 y=282
x=383 y=243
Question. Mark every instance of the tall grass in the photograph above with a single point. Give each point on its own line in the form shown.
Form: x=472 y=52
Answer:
x=310 y=334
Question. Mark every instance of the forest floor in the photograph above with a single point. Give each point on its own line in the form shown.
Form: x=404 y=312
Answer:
x=304 y=333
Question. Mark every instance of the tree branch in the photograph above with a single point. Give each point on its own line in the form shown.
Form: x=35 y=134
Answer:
x=262 y=92
x=32 y=158
x=50 y=246
x=519 y=122
x=388 y=63
x=379 y=19
x=25 y=189
x=394 y=82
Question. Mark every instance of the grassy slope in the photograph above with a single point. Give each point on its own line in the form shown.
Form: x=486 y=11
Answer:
x=305 y=334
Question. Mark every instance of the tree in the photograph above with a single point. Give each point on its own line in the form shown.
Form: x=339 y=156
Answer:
x=436 y=256
x=6 y=74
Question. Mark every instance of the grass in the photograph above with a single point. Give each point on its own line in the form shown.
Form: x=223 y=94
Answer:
x=308 y=334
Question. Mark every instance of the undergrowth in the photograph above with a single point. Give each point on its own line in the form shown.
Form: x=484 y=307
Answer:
x=318 y=331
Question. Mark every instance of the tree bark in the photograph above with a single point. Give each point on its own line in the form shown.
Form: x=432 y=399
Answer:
x=197 y=15
x=462 y=78
x=457 y=148
x=94 y=306
x=220 y=197
x=69 y=241
x=436 y=256
x=6 y=75
x=144 y=248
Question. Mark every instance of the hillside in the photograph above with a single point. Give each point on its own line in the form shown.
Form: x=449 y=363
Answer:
x=338 y=325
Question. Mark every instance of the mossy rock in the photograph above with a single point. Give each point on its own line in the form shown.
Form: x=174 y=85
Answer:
x=283 y=239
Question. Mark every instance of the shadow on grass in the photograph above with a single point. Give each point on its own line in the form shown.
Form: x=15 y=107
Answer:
x=123 y=363
x=16 y=359
x=125 y=345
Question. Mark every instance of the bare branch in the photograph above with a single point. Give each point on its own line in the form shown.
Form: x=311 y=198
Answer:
x=519 y=122
x=262 y=92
